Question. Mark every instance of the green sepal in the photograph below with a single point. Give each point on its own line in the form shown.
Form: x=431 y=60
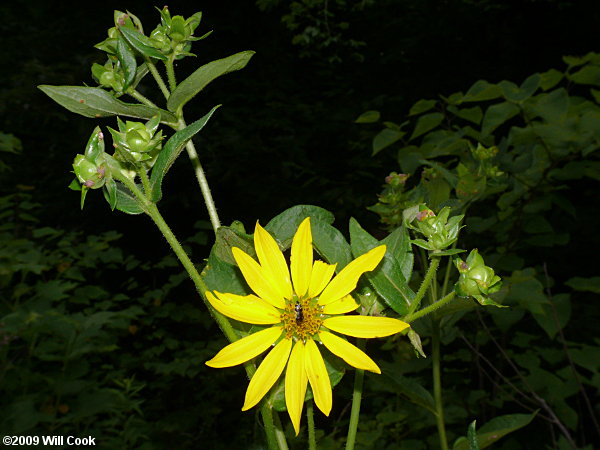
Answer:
x=95 y=145
x=74 y=185
x=450 y=252
x=141 y=43
x=84 y=191
x=110 y=193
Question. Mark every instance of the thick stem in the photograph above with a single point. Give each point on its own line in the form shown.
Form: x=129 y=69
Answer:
x=140 y=98
x=171 y=74
x=279 y=434
x=312 y=440
x=202 y=181
x=267 y=415
x=359 y=377
x=161 y=84
x=429 y=309
x=435 y=262
x=437 y=384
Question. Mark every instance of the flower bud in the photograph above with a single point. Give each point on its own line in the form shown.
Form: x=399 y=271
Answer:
x=476 y=279
x=136 y=142
x=90 y=174
x=440 y=231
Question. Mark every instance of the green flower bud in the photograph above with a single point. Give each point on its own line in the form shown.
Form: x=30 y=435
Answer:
x=136 y=142
x=476 y=279
x=91 y=175
x=440 y=231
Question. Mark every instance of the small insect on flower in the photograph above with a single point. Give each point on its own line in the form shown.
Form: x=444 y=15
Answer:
x=299 y=315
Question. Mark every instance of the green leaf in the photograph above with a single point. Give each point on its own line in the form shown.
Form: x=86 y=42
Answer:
x=589 y=74
x=331 y=244
x=368 y=117
x=407 y=387
x=227 y=238
x=284 y=225
x=515 y=94
x=550 y=78
x=198 y=80
x=385 y=138
x=387 y=279
x=591 y=284
x=141 y=43
x=496 y=115
x=496 y=429
x=450 y=252
x=472 y=436
x=171 y=151
x=95 y=102
x=473 y=114
x=127 y=60
x=482 y=91
x=223 y=277
x=427 y=123
x=398 y=245
x=126 y=201
x=421 y=106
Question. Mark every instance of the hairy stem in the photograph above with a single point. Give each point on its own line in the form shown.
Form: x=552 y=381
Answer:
x=158 y=78
x=312 y=440
x=202 y=181
x=435 y=262
x=359 y=377
x=429 y=309
x=437 y=384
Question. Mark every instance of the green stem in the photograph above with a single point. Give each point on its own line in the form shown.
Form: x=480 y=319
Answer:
x=437 y=384
x=140 y=98
x=202 y=181
x=435 y=262
x=171 y=74
x=279 y=434
x=359 y=377
x=267 y=415
x=222 y=321
x=312 y=440
x=145 y=182
x=161 y=84
x=429 y=309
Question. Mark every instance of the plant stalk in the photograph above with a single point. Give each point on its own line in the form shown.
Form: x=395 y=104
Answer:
x=437 y=384
x=435 y=262
x=202 y=181
x=312 y=440
x=159 y=80
x=359 y=377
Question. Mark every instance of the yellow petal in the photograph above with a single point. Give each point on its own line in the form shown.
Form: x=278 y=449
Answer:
x=301 y=259
x=273 y=263
x=365 y=326
x=253 y=274
x=267 y=374
x=248 y=308
x=341 y=306
x=318 y=377
x=319 y=277
x=346 y=280
x=246 y=348
x=295 y=385
x=348 y=352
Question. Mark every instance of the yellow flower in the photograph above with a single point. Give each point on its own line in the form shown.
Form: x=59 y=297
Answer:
x=302 y=309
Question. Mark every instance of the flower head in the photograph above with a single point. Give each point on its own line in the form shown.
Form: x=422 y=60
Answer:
x=303 y=306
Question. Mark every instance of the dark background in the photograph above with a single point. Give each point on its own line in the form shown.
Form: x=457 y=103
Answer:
x=285 y=134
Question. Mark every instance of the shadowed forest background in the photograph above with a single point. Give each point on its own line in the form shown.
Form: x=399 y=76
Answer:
x=102 y=333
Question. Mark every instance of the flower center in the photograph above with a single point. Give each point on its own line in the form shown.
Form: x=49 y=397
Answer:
x=301 y=318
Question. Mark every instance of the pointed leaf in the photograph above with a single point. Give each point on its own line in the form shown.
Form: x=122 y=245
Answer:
x=141 y=43
x=495 y=429
x=127 y=60
x=198 y=80
x=427 y=123
x=385 y=138
x=496 y=115
x=387 y=280
x=284 y=225
x=96 y=102
x=171 y=151
x=126 y=201
x=368 y=117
